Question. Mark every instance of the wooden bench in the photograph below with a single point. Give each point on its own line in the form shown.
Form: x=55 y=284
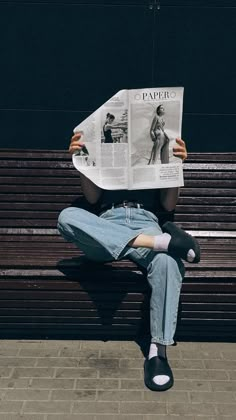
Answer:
x=48 y=291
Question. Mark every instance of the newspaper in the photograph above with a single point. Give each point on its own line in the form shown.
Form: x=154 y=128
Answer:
x=129 y=140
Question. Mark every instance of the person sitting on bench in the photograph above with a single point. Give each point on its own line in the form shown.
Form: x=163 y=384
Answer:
x=128 y=228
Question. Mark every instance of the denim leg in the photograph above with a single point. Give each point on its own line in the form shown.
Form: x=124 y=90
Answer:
x=105 y=239
x=165 y=279
x=100 y=238
x=164 y=275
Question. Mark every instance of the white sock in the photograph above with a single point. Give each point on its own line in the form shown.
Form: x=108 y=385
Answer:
x=161 y=242
x=152 y=351
x=190 y=255
x=158 y=349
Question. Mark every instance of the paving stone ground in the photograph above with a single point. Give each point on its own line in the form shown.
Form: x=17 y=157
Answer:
x=95 y=380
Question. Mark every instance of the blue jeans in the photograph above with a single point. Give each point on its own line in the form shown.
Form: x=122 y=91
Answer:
x=104 y=238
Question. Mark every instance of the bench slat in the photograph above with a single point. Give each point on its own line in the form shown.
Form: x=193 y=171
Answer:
x=45 y=223
x=194 y=217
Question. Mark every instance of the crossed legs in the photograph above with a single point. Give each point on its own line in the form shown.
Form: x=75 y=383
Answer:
x=114 y=237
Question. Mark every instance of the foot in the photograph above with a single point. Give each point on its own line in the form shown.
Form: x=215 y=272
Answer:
x=158 y=375
x=158 y=350
x=182 y=244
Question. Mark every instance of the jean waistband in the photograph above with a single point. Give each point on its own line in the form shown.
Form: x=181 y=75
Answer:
x=125 y=204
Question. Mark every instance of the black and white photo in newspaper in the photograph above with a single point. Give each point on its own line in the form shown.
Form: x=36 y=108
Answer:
x=155 y=123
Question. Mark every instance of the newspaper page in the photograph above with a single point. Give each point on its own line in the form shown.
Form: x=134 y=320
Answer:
x=129 y=140
x=105 y=135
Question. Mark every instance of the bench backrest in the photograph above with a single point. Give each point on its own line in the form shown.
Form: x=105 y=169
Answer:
x=35 y=185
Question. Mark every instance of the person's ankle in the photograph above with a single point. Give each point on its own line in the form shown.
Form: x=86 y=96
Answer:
x=161 y=242
x=157 y=349
x=161 y=349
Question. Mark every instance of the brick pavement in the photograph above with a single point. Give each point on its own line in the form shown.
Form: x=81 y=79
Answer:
x=93 y=380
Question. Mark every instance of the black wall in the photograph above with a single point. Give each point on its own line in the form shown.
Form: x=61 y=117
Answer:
x=60 y=60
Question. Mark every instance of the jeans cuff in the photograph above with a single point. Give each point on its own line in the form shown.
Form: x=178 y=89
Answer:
x=161 y=341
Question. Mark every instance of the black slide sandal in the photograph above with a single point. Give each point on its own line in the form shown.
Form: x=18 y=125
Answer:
x=157 y=366
x=181 y=242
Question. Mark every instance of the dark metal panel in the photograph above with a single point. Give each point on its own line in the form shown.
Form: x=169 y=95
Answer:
x=209 y=132
x=38 y=129
x=154 y=3
x=66 y=57
x=84 y=3
x=194 y=49
x=198 y=3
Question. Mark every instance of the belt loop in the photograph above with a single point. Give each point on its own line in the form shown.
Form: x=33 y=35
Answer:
x=113 y=205
x=138 y=206
x=125 y=203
